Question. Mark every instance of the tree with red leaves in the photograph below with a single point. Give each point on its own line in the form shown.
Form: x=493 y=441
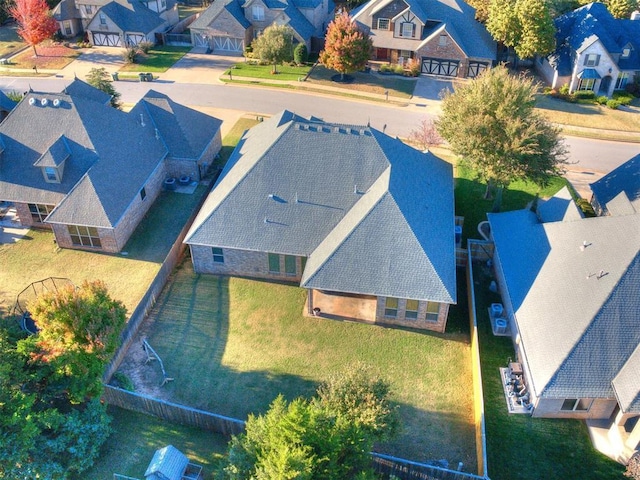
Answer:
x=35 y=22
x=347 y=48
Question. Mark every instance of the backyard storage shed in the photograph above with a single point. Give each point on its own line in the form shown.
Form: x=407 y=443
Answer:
x=169 y=463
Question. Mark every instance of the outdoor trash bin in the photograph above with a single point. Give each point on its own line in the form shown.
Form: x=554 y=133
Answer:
x=149 y=77
x=115 y=76
x=143 y=77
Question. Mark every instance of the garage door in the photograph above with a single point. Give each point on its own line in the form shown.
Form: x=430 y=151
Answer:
x=201 y=40
x=228 y=44
x=134 y=39
x=476 y=68
x=437 y=66
x=106 y=39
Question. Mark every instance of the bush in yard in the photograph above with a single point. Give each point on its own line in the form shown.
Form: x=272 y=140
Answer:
x=300 y=54
x=585 y=95
x=602 y=100
x=414 y=67
x=144 y=47
x=384 y=68
x=614 y=104
x=624 y=97
x=584 y=205
x=398 y=69
x=564 y=89
x=129 y=55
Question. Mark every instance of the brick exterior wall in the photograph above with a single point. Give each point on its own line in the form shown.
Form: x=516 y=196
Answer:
x=195 y=168
x=450 y=51
x=224 y=25
x=107 y=239
x=242 y=263
x=420 y=322
x=602 y=408
x=24 y=214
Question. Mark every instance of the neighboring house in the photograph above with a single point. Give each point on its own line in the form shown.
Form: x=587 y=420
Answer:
x=442 y=35
x=362 y=221
x=90 y=172
x=618 y=191
x=570 y=291
x=228 y=26
x=594 y=51
x=6 y=105
x=116 y=23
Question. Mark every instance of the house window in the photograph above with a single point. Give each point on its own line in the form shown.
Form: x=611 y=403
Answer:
x=576 y=404
x=443 y=40
x=621 y=81
x=391 y=307
x=51 y=174
x=258 y=12
x=103 y=19
x=405 y=53
x=39 y=212
x=84 y=236
x=143 y=194
x=218 y=255
x=274 y=263
x=626 y=51
x=433 y=310
x=163 y=4
x=407 y=30
x=411 y=311
x=383 y=24
x=586 y=84
x=88 y=9
x=290 y=265
x=67 y=28
x=591 y=60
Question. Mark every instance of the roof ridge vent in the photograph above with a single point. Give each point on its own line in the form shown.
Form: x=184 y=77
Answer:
x=56 y=102
x=32 y=101
x=336 y=129
x=297 y=126
x=44 y=102
x=584 y=245
x=363 y=131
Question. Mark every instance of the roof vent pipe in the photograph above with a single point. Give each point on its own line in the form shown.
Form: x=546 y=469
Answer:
x=142 y=124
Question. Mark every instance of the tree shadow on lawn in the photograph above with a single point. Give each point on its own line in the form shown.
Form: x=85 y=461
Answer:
x=545 y=102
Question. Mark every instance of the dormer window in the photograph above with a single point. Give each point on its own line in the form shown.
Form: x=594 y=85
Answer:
x=103 y=19
x=383 y=24
x=257 y=11
x=51 y=175
x=52 y=162
x=88 y=9
x=407 y=29
x=626 y=52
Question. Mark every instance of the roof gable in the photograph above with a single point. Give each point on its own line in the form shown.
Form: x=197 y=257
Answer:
x=624 y=179
x=129 y=16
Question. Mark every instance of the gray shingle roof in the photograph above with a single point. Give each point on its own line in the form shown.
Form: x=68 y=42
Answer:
x=373 y=215
x=132 y=16
x=57 y=153
x=6 y=103
x=65 y=10
x=625 y=178
x=176 y=123
x=576 y=308
x=77 y=88
x=627 y=384
x=559 y=208
x=459 y=17
x=212 y=12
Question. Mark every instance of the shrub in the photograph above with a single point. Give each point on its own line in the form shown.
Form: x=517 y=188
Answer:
x=384 y=68
x=123 y=381
x=14 y=95
x=613 y=104
x=623 y=97
x=564 y=89
x=602 y=100
x=129 y=55
x=398 y=70
x=300 y=54
x=414 y=67
x=144 y=47
x=633 y=89
x=585 y=95
x=584 y=205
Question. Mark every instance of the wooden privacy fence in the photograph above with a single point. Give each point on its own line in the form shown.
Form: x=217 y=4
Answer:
x=403 y=469
x=172 y=412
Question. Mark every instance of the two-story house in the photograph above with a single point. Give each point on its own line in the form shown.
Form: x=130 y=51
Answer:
x=442 y=35
x=228 y=26
x=116 y=23
x=594 y=52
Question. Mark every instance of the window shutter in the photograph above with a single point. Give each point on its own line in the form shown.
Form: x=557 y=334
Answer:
x=586 y=60
x=413 y=33
x=597 y=60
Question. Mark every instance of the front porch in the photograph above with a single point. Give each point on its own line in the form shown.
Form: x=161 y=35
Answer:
x=340 y=306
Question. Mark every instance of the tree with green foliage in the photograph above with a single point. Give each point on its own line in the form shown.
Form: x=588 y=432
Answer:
x=621 y=8
x=275 y=45
x=491 y=123
x=35 y=23
x=524 y=25
x=482 y=9
x=300 y=54
x=99 y=78
x=347 y=48
x=325 y=438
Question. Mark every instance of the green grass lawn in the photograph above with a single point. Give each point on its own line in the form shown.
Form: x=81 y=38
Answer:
x=10 y=41
x=232 y=138
x=36 y=257
x=234 y=344
x=158 y=60
x=136 y=437
x=185 y=11
x=400 y=87
x=252 y=70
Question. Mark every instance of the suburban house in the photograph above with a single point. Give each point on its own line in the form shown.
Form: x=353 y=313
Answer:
x=116 y=23
x=614 y=193
x=569 y=286
x=90 y=172
x=594 y=51
x=442 y=35
x=229 y=26
x=362 y=221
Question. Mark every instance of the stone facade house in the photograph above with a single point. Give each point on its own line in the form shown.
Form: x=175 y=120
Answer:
x=116 y=23
x=362 y=221
x=594 y=51
x=90 y=172
x=228 y=26
x=569 y=286
x=442 y=35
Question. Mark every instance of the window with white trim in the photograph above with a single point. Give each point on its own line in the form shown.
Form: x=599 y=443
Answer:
x=591 y=60
x=67 y=27
x=384 y=24
x=39 y=212
x=218 y=254
x=621 y=81
x=84 y=236
x=576 y=404
x=88 y=9
x=391 y=307
x=51 y=174
x=257 y=12
x=433 y=310
x=103 y=19
x=586 y=84
x=407 y=29
x=443 y=40
x=626 y=52
x=411 y=310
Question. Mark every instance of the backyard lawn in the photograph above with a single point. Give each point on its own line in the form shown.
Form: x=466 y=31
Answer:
x=158 y=60
x=234 y=344
x=136 y=437
x=36 y=257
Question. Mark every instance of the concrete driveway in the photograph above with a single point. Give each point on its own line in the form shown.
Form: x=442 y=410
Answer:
x=199 y=68
x=108 y=57
x=429 y=88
